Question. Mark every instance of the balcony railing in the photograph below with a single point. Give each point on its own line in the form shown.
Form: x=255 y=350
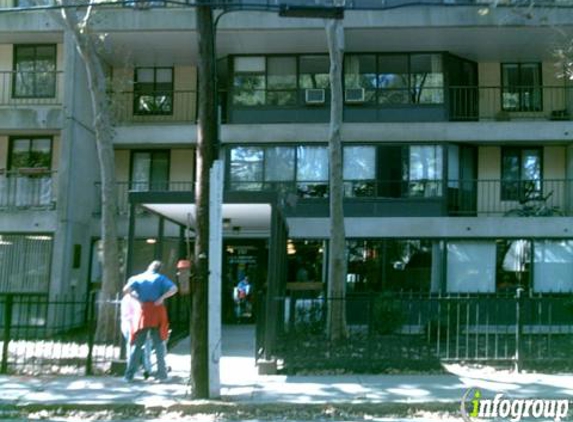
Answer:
x=123 y=189
x=172 y=106
x=31 y=88
x=27 y=188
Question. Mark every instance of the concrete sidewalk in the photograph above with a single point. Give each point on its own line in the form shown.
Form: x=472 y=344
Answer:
x=240 y=383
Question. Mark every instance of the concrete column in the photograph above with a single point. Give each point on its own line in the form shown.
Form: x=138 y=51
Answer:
x=75 y=181
x=215 y=276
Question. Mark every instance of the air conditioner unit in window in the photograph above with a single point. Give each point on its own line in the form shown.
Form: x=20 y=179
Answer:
x=314 y=96
x=354 y=95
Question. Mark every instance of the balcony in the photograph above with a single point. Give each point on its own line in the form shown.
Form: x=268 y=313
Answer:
x=155 y=107
x=25 y=89
x=27 y=188
x=123 y=189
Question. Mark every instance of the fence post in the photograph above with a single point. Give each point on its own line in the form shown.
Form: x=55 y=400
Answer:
x=518 y=329
x=91 y=333
x=6 y=336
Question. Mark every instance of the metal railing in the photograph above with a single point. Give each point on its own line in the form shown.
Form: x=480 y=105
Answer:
x=21 y=89
x=124 y=188
x=172 y=107
x=419 y=331
x=47 y=335
x=27 y=188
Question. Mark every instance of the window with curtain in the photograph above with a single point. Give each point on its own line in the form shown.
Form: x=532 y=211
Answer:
x=359 y=171
x=423 y=170
x=153 y=91
x=34 y=71
x=521 y=174
x=521 y=87
x=246 y=168
x=150 y=170
x=249 y=81
x=426 y=79
x=360 y=73
x=471 y=266
x=281 y=81
x=553 y=266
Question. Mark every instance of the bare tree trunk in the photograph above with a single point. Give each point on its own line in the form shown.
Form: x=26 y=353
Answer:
x=206 y=139
x=336 y=316
x=86 y=45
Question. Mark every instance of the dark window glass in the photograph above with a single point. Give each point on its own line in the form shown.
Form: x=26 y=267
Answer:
x=281 y=81
x=520 y=174
x=521 y=86
x=153 y=91
x=249 y=84
x=34 y=71
x=150 y=170
x=426 y=79
x=30 y=153
x=314 y=72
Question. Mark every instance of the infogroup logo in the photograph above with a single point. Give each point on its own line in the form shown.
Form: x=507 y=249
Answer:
x=475 y=407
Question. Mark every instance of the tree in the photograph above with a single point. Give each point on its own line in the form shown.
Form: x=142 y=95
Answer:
x=76 y=20
x=336 y=317
x=206 y=141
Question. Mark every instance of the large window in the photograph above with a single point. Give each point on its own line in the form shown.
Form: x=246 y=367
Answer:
x=520 y=174
x=30 y=153
x=150 y=170
x=521 y=86
x=396 y=78
x=249 y=82
x=34 y=71
x=153 y=91
x=423 y=170
x=359 y=171
x=280 y=168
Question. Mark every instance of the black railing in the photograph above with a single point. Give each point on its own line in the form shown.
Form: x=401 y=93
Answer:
x=41 y=334
x=421 y=331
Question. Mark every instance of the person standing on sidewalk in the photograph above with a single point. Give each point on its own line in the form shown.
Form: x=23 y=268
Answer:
x=130 y=308
x=150 y=288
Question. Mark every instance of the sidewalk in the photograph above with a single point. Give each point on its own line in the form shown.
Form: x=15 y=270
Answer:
x=240 y=383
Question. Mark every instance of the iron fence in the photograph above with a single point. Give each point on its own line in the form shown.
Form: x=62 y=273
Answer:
x=57 y=335
x=421 y=331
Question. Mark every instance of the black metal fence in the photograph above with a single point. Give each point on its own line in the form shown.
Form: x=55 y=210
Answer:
x=422 y=331
x=57 y=335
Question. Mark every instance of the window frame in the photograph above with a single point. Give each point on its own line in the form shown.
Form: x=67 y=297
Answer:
x=506 y=193
x=13 y=139
x=150 y=181
x=520 y=88
x=138 y=92
x=15 y=71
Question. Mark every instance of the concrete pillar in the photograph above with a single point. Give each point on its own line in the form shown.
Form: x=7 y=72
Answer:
x=75 y=181
x=215 y=276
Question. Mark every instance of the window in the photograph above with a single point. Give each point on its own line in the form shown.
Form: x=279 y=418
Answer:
x=281 y=81
x=34 y=71
x=521 y=86
x=312 y=171
x=246 y=168
x=314 y=72
x=279 y=165
x=471 y=266
x=153 y=91
x=30 y=153
x=520 y=174
x=423 y=170
x=249 y=83
x=150 y=170
x=359 y=171
x=360 y=73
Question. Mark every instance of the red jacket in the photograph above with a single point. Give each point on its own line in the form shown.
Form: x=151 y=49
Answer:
x=150 y=315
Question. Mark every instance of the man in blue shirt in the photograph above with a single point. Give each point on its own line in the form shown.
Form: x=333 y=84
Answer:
x=150 y=289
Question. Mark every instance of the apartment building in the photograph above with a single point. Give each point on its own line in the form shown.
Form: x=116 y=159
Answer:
x=457 y=134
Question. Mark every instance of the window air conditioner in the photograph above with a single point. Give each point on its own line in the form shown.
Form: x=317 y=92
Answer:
x=354 y=95
x=314 y=96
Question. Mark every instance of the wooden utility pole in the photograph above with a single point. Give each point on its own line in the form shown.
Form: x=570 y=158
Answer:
x=206 y=142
